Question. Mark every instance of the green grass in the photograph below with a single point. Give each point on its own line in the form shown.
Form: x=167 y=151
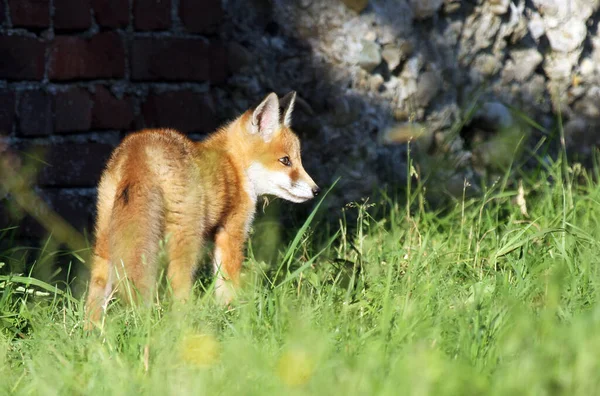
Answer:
x=475 y=299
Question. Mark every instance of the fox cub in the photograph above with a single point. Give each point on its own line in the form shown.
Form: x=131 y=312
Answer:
x=160 y=185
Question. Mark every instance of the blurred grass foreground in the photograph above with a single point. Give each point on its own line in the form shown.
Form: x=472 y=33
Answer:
x=492 y=295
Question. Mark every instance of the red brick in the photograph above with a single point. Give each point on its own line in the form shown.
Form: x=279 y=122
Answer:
x=30 y=13
x=72 y=14
x=111 y=13
x=111 y=112
x=154 y=59
x=186 y=111
x=201 y=16
x=21 y=58
x=72 y=111
x=35 y=114
x=74 y=164
x=102 y=56
x=152 y=14
x=7 y=112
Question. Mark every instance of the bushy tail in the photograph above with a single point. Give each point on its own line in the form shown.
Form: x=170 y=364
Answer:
x=129 y=226
x=136 y=227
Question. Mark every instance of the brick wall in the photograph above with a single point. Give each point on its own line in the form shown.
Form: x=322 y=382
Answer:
x=76 y=75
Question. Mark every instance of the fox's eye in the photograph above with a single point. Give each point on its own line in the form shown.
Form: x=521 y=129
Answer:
x=285 y=161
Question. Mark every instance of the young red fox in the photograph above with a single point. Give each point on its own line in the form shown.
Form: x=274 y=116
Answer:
x=160 y=185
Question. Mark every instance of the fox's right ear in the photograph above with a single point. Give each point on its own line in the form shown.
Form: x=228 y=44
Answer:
x=265 y=119
x=287 y=106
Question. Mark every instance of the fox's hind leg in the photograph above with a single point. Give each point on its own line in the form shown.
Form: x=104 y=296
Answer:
x=184 y=244
x=136 y=227
x=100 y=286
x=100 y=282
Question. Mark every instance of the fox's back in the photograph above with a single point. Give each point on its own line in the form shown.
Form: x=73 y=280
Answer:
x=158 y=153
x=190 y=179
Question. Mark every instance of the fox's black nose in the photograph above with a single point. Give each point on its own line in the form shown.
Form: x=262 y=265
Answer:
x=316 y=191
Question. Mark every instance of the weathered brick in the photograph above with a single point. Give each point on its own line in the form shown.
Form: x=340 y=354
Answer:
x=201 y=16
x=7 y=112
x=111 y=13
x=186 y=111
x=11 y=216
x=111 y=112
x=155 y=59
x=72 y=111
x=30 y=13
x=102 y=56
x=77 y=209
x=2 y=15
x=74 y=164
x=152 y=14
x=220 y=67
x=72 y=14
x=35 y=114
x=21 y=58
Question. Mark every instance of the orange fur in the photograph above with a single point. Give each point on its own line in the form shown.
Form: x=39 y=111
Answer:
x=158 y=185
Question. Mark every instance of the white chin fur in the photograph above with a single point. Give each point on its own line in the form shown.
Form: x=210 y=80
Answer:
x=267 y=182
x=293 y=198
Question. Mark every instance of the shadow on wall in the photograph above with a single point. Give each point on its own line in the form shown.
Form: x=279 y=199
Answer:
x=376 y=71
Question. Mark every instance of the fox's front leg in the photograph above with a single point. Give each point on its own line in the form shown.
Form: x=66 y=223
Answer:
x=227 y=262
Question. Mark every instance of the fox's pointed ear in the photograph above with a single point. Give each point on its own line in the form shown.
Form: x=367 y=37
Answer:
x=287 y=106
x=265 y=119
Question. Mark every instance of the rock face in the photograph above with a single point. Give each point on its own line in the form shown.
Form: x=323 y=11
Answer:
x=429 y=62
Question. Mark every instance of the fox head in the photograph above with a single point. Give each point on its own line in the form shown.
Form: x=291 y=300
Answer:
x=274 y=166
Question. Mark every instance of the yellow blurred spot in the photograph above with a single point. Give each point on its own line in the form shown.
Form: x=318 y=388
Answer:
x=295 y=367
x=200 y=349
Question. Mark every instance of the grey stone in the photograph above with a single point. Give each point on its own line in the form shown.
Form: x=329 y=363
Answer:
x=589 y=105
x=536 y=26
x=370 y=55
x=488 y=26
x=423 y=9
x=498 y=7
x=509 y=71
x=486 y=64
x=559 y=96
x=526 y=61
x=411 y=68
x=534 y=92
x=375 y=82
x=580 y=136
x=587 y=67
x=345 y=111
x=428 y=86
x=558 y=66
x=451 y=6
x=356 y=5
x=568 y=36
x=495 y=114
x=391 y=53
